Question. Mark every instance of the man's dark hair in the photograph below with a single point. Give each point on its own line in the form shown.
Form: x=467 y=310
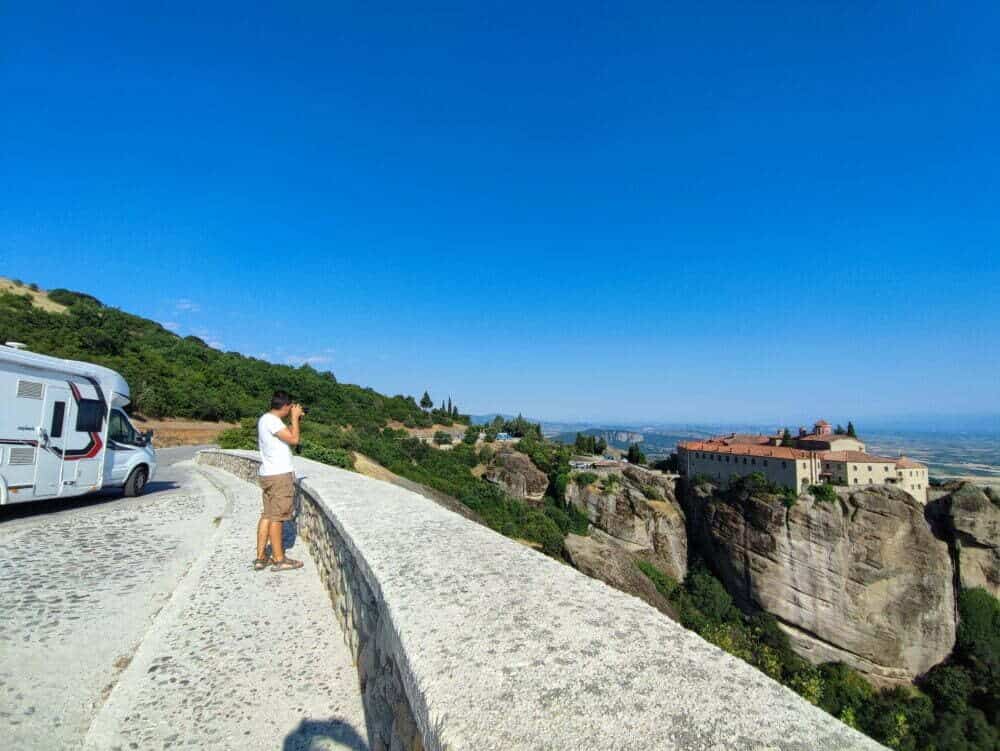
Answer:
x=280 y=399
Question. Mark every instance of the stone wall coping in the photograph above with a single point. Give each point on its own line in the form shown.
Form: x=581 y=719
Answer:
x=502 y=647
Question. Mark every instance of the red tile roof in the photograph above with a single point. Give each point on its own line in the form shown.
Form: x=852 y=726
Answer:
x=853 y=456
x=745 y=449
x=716 y=446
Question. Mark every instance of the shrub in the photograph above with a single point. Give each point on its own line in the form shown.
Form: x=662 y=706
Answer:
x=652 y=492
x=979 y=629
x=68 y=297
x=708 y=595
x=33 y=287
x=823 y=493
x=333 y=457
x=664 y=584
x=17 y=282
x=585 y=478
x=670 y=464
x=610 y=482
x=442 y=438
x=949 y=687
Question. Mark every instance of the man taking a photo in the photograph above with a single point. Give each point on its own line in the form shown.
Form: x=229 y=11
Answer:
x=277 y=479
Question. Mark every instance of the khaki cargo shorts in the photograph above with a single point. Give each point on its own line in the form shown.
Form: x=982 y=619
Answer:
x=279 y=496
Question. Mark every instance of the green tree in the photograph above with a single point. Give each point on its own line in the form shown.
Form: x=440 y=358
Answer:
x=426 y=402
x=786 y=437
x=850 y=430
x=635 y=455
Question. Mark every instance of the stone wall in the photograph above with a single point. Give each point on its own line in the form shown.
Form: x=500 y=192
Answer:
x=388 y=716
x=467 y=640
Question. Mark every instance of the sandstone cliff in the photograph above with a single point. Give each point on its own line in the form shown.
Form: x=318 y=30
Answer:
x=862 y=580
x=638 y=509
x=518 y=476
x=603 y=557
x=973 y=516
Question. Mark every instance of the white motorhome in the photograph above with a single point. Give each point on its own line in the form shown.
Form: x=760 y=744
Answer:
x=64 y=432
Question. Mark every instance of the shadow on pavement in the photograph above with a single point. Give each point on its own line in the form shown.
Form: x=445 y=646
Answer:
x=159 y=486
x=37 y=508
x=289 y=534
x=312 y=735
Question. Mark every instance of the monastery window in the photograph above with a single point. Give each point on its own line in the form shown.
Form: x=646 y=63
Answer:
x=765 y=462
x=753 y=461
x=855 y=480
x=869 y=467
x=784 y=464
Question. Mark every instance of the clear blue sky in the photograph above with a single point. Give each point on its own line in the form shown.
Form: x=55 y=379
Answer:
x=754 y=212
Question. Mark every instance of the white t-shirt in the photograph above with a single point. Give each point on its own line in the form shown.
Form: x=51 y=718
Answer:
x=275 y=454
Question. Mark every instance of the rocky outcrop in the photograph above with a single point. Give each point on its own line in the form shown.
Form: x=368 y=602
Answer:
x=638 y=508
x=518 y=476
x=603 y=557
x=862 y=580
x=974 y=518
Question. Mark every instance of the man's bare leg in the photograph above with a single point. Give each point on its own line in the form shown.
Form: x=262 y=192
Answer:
x=277 y=550
x=263 y=527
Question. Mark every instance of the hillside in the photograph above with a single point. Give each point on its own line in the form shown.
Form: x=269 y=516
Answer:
x=182 y=377
x=173 y=376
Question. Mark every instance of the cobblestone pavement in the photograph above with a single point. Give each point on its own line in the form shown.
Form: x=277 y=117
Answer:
x=138 y=623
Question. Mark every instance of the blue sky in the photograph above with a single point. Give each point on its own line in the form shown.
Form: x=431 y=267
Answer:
x=740 y=212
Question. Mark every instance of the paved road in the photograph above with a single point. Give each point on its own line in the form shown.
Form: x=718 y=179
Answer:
x=137 y=623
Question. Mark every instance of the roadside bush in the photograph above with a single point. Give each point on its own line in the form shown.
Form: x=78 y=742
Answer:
x=333 y=457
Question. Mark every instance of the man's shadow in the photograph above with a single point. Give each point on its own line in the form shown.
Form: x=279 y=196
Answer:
x=317 y=734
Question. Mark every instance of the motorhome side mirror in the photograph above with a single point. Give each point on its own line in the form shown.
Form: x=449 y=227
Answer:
x=148 y=436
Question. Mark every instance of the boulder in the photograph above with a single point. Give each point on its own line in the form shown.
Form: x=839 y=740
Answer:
x=640 y=509
x=974 y=516
x=862 y=580
x=518 y=476
x=613 y=562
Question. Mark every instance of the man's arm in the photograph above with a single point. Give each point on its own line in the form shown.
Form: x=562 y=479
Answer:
x=291 y=435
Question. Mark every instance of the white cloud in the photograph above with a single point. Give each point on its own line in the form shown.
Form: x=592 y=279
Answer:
x=307 y=359
x=171 y=325
x=187 y=306
x=215 y=344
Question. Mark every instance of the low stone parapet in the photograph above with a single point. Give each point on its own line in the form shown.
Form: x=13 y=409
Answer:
x=465 y=639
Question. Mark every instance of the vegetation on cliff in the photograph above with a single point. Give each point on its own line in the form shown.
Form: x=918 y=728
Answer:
x=958 y=708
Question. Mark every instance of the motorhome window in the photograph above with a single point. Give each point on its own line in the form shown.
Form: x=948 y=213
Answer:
x=120 y=430
x=58 y=414
x=89 y=416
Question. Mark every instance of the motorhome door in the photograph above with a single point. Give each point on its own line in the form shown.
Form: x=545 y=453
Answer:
x=51 y=440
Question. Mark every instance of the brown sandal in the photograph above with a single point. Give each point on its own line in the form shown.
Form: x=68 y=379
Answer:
x=260 y=564
x=286 y=564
